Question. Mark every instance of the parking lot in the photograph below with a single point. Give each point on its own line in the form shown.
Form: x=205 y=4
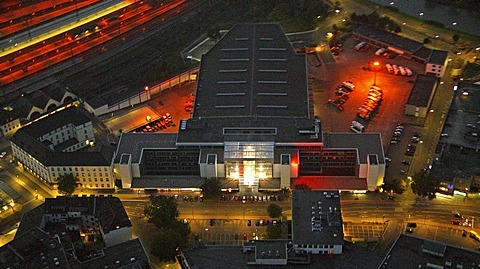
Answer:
x=351 y=65
x=368 y=232
x=225 y=232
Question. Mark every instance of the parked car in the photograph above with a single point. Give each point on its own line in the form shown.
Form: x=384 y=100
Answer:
x=409 y=71
x=406 y=162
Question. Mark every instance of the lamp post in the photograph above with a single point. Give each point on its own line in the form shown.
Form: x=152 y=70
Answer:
x=193 y=214
x=375 y=68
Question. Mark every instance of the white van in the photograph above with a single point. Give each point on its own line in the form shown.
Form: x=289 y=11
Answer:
x=357 y=127
x=389 y=68
x=402 y=71
x=380 y=51
x=348 y=85
x=409 y=71
x=396 y=70
x=360 y=45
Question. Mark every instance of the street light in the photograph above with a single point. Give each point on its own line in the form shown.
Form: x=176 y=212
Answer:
x=375 y=68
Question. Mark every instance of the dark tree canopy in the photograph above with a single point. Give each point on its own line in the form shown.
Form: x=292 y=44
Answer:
x=172 y=234
x=162 y=211
x=274 y=210
x=211 y=188
x=455 y=37
x=165 y=245
x=273 y=232
x=66 y=184
x=376 y=21
x=397 y=186
x=424 y=185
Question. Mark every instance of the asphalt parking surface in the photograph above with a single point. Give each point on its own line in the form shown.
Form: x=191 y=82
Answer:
x=349 y=66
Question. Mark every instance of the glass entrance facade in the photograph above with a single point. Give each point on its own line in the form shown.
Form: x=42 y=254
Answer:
x=249 y=161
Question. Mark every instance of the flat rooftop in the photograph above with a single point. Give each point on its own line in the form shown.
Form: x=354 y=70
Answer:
x=419 y=252
x=133 y=144
x=219 y=130
x=365 y=144
x=422 y=90
x=316 y=217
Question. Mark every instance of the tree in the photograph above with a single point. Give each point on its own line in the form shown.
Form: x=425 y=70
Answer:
x=173 y=234
x=274 y=210
x=397 y=186
x=455 y=37
x=273 y=232
x=211 y=188
x=424 y=185
x=66 y=184
x=161 y=211
x=165 y=245
x=427 y=40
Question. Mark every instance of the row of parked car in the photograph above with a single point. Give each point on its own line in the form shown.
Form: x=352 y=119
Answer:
x=385 y=53
x=397 y=133
x=371 y=104
x=399 y=70
x=341 y=94
x=252 y=198
x=263 y=222
x=162 y=123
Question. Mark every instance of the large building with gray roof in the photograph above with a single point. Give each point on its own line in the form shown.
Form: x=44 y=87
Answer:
x=252 y=124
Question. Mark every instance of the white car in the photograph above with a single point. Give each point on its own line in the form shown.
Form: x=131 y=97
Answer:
x=409 y=71
x=3 y=154
x=402 y=70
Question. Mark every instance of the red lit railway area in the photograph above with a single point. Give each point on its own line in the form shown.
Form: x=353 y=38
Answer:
x=15 y=17
x=49 y=47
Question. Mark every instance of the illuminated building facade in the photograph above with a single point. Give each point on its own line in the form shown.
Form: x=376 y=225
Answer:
x=55 y=146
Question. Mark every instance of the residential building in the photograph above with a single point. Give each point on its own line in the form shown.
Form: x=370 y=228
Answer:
x=75 y=232
x=56 y=145
x=31 y=106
